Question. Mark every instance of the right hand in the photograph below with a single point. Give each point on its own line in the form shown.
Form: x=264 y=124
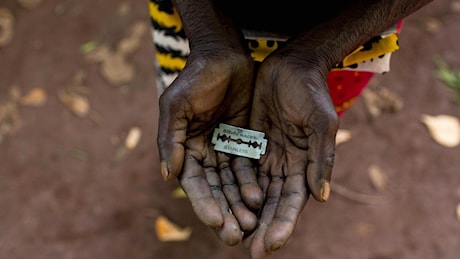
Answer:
x=212 y=88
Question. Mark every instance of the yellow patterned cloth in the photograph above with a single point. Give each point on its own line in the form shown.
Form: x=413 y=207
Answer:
x=356 y=69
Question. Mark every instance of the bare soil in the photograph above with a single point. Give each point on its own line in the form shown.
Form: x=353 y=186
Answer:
x=69 y=188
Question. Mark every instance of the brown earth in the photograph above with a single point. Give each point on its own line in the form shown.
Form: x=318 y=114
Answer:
x=68 y=188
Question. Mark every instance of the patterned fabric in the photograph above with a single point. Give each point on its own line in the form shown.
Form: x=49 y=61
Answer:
x=346 y=81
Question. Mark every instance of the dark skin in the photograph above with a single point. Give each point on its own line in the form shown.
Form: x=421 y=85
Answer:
x=286 y=97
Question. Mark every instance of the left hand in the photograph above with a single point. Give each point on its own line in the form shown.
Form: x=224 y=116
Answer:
x=293 y=107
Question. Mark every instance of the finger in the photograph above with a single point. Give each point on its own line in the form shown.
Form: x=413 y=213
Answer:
x=247 y=239
x=245 y=217
x=196 y=186
x=230 y=232
x=258 y=248
x=263 y=181
x=255 y=242
x=260 y=121
x=321 y=152
x=292 y=201
x=172 y=129
x=246 y=175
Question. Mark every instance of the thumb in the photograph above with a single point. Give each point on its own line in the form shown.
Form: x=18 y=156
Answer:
x=172 y=132
x=321 y=153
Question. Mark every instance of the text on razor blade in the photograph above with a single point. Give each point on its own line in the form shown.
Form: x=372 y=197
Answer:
x=239 y=141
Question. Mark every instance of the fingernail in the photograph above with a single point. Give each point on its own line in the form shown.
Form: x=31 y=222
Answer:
x=164 y=170
x=325 y=190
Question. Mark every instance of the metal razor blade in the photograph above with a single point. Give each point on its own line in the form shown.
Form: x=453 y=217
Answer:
x=239 y=141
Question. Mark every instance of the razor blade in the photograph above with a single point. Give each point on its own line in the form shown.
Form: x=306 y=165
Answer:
x=239 y=141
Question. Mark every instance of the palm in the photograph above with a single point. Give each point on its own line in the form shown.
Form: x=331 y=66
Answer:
x=297 y=115
x=221 y=189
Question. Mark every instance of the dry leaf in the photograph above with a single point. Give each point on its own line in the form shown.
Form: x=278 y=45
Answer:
x=378 y=177
x=371 y=100
x=14 y=94
x=458 y=212
x=78 y=104
x=6 y=26
x=356 y=196
x=365 y=229
x=380 y=100
x=133 y=137
x=168 y=231
x=455 y=6
x=124 y=8
x=179 y=193
x=114 y=64
x=36 y=97
x=29 y=4
x=9 y=119
x=97 y=53
x=444 y=129
x=117 y=70
x=432 y=24
x=342 y=136
x=78 y=85
x=96 y=117
x=133 y=41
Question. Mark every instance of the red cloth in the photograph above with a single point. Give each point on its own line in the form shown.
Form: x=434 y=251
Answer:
x=345 y=86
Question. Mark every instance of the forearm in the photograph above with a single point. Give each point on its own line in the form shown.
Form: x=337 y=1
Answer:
x=207 y=28
x=328 y=43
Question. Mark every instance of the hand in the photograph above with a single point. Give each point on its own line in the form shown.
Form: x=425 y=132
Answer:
x=212 y=88
x=293 y=107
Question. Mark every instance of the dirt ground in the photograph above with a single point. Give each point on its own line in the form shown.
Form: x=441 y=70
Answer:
x=69 y=187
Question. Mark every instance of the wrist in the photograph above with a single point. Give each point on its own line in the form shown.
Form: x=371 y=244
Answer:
x=207 y=28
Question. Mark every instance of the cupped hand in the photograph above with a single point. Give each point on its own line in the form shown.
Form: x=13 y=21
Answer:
x=212 y=88
x=292 y=106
